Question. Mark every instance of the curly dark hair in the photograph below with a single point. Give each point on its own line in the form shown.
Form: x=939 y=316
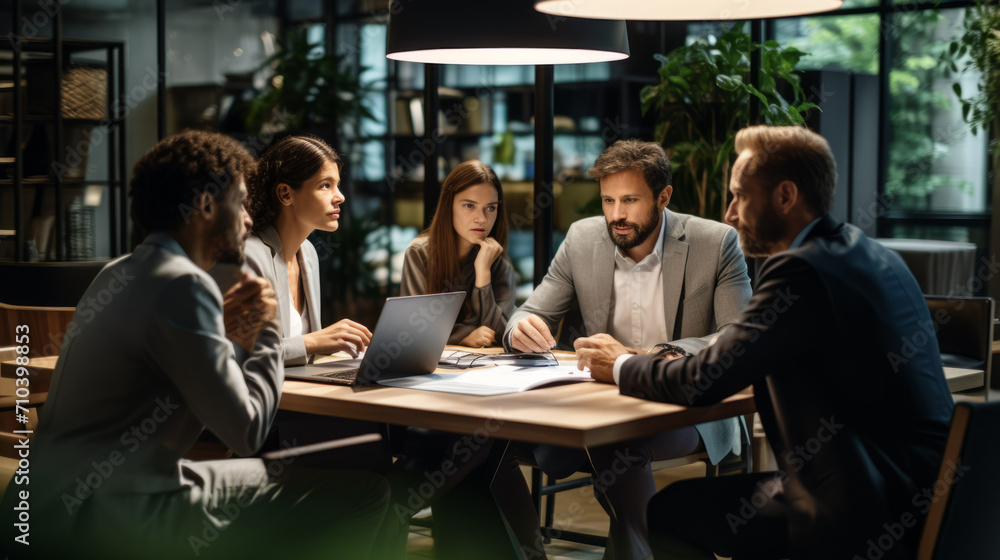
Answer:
x=180 y=168
x=292 y=161
x=648 y=158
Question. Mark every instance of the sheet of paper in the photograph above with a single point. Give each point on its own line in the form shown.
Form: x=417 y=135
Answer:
x=497 y=380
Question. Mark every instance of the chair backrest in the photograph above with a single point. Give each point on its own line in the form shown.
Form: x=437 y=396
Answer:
x=46 y=327
x=56 y=284
x=964 y=331
x=43 y=297
x=962 y=519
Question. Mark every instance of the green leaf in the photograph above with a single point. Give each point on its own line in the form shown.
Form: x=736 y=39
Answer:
x=679 y=81
x=957 y=88
x=728 y=83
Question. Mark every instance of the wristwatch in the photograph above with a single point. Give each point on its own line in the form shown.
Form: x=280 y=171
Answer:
x=670 y=351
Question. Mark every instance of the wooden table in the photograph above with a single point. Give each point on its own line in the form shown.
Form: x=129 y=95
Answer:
x=578 y=415
x=960 y=379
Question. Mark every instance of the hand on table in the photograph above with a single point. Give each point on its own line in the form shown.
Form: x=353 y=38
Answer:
x=344 y=335
x=246 y=307
x=531 y=334
x=479 y=338
x=599 y=353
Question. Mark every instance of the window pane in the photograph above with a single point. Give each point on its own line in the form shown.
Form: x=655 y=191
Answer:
x=934 y=162
x=859 y=4
x=848 y=43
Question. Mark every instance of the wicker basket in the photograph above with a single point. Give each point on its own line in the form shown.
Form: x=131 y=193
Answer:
x=84 y=91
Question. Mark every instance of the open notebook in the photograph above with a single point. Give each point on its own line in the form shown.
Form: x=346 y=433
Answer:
x=496 y=380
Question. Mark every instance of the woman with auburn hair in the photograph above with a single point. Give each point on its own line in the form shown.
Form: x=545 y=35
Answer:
x=463 y=250
x=294 y=192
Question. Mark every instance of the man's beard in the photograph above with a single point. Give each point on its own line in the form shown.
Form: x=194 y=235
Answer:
x=640 y=233
x=758 y=241
x=229 y=246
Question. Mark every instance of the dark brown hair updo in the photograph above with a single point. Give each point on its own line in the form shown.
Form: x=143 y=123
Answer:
x=292 y=161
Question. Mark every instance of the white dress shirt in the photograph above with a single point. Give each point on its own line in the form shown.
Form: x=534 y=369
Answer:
x=637 y=298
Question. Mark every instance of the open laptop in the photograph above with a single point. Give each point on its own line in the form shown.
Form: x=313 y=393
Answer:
x=408 y=340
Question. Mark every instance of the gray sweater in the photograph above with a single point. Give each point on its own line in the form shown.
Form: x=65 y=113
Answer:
x=490 y=305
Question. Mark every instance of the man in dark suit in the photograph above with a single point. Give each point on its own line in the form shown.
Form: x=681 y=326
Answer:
x=839 y=347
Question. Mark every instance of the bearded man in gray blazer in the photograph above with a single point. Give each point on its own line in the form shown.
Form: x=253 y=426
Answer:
x=646 y=276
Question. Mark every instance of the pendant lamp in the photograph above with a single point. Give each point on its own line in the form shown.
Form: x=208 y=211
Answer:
x=498 y=32
x=675 y=10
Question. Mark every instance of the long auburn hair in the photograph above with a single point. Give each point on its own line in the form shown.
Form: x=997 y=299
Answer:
x=292 y=161
x=443 y=240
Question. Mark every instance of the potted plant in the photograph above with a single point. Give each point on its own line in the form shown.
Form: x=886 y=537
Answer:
x=703 y=98
x=980 y=43
x=319 y=93
x=311 y=89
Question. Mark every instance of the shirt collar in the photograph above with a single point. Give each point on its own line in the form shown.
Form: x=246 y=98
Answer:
x=164 y=241
x=658 y=248
x=802 y=234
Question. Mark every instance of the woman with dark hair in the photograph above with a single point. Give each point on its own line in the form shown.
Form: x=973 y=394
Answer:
x=463 y=251
x=294 y=192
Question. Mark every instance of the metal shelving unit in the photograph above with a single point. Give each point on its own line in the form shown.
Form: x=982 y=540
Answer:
x=57 y=53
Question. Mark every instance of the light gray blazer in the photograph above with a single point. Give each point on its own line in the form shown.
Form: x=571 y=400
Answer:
x=144 y=368
x=705 y=288
x=266 y=257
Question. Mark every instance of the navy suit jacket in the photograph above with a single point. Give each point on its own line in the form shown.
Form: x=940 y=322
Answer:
x=840 y=349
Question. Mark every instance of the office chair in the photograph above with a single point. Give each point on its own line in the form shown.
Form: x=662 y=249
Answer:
x=964 y=332
x=961 y=523
x=733 y=463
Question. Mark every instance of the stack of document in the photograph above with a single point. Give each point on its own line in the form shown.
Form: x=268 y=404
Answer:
x=496 y=380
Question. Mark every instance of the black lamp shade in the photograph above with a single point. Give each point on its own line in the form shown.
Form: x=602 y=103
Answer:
x=498 y=32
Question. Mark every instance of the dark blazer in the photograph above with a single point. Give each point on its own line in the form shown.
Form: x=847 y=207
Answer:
x=839 y=347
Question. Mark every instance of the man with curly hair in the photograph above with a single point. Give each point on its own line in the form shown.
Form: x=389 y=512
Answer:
x=146 y=365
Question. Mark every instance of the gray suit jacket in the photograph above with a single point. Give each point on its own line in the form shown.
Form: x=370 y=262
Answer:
x=266 y=257
x=144 y=368
x=705 y=288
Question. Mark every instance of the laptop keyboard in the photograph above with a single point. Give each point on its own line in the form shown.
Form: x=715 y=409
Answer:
x=346 y=375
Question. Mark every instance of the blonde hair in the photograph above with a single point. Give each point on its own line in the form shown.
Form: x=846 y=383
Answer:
x=791 y=153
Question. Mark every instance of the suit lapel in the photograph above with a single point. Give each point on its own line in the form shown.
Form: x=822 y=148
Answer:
x=270 y=237
x=604 y=280
x=306 y=264
x=675 y=253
